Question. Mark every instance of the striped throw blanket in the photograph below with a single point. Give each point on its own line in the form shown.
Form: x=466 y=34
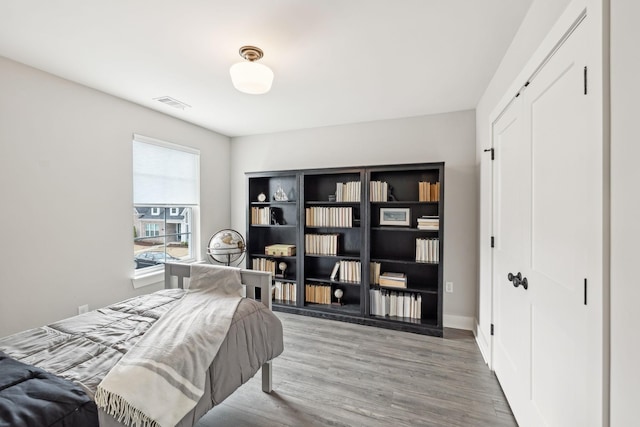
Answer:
x=162 y=378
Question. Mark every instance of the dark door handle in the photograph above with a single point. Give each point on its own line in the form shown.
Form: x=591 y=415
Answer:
x=518 y=280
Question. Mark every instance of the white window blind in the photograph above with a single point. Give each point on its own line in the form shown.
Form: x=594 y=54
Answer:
x=164 y=173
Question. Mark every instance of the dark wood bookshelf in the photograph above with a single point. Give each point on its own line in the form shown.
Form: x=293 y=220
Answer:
x=366 y=241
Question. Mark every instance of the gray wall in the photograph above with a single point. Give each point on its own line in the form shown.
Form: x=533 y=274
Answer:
x=65 y=169
x=625 y=212
x=444 y=137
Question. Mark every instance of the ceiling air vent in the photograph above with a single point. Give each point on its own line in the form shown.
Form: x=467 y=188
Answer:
x=167 y=100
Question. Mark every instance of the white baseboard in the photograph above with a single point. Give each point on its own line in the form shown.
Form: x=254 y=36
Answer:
x=483 y=344
x=458 y=322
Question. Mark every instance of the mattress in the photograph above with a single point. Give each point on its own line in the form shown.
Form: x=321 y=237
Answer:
x=84 y=348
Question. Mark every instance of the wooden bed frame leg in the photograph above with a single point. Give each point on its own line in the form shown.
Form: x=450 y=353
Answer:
x=266 y=377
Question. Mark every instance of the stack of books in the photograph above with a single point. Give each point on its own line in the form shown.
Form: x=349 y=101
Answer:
x=264 y=264
x=428 y=250
x=285 y=292
x=318 y=294
x=260 y=216
x=428 y=192
x=349 y=271
x=428 y=223
x=329 y=217
x=378 y=191
x=393 y=280
x=348 y=191
x=321 y=244
x=383 y=302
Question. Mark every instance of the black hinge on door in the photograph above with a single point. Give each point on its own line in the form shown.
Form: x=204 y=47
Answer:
x=493 y=153
x=493 y=241
x=585 y=80
x=585 y=291
x=492 y=329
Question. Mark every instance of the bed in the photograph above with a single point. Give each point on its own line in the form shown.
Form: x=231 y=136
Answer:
x=80 y=351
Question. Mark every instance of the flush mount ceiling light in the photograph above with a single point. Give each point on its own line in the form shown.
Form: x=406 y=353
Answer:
x=249 y=76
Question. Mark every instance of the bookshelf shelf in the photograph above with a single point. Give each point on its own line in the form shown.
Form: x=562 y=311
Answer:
x=409 y=289
x=333 y=282
x=363 y=240
x=404 y=261
x=284 y=303
x=274 y=225
x=403 y=229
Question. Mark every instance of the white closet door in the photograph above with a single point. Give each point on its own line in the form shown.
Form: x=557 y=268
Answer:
x=545 y=225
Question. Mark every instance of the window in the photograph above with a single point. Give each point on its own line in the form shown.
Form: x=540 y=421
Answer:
x=165 y=197
x=151 y=230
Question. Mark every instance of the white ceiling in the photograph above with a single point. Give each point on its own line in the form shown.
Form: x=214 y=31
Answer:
x=335 y=61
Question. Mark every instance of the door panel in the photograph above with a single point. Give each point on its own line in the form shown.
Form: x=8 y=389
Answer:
x=511 y=339
x=555 y=114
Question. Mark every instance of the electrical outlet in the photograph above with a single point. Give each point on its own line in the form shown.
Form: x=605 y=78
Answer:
x=449 y=287
x=83 y=309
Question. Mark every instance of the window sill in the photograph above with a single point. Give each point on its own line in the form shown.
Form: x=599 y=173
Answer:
x=148 y=278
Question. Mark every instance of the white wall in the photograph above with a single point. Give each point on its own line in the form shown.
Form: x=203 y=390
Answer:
x=444 y=137
x=65 y=169
x=538 y=21
x=625 y=212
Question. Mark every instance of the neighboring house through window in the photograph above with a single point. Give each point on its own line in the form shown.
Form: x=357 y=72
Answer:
x=166 y=193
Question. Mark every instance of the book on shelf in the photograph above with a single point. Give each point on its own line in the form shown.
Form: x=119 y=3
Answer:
x=383 y=302
x=428 y=250
x=317 y=294
x=263 y=264
x=319 y=216
x=428 y=192
x=348 y=191
x=280 y=249
x=394 y=280
x=284 y=292
x=334 y=273
x=378 y=191
x=321 y=244
x=374 y=272
x=350 y=271
x=260 y=216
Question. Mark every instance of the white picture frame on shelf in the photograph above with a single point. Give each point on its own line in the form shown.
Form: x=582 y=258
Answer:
x=395 y=216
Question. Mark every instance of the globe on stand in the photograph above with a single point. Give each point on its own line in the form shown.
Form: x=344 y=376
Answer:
x=226 y=247
x=338 y=294
x=282 y=266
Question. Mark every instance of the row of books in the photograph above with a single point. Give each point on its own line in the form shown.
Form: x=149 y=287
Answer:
x=321 y=244
x=383 y=302
x=348 y=191
x=264 y=264
x=260 y=216
x=426 y=222
x=284 y=291
x=378 y=191
x=318 y=294
x=428 y=250
x=329 y=217
x=347 y=271
x=428 y=192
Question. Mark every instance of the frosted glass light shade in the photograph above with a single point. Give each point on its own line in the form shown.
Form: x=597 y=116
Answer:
x=251 y=77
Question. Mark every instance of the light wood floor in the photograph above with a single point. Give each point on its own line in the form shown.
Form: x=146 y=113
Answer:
x=339 y=374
